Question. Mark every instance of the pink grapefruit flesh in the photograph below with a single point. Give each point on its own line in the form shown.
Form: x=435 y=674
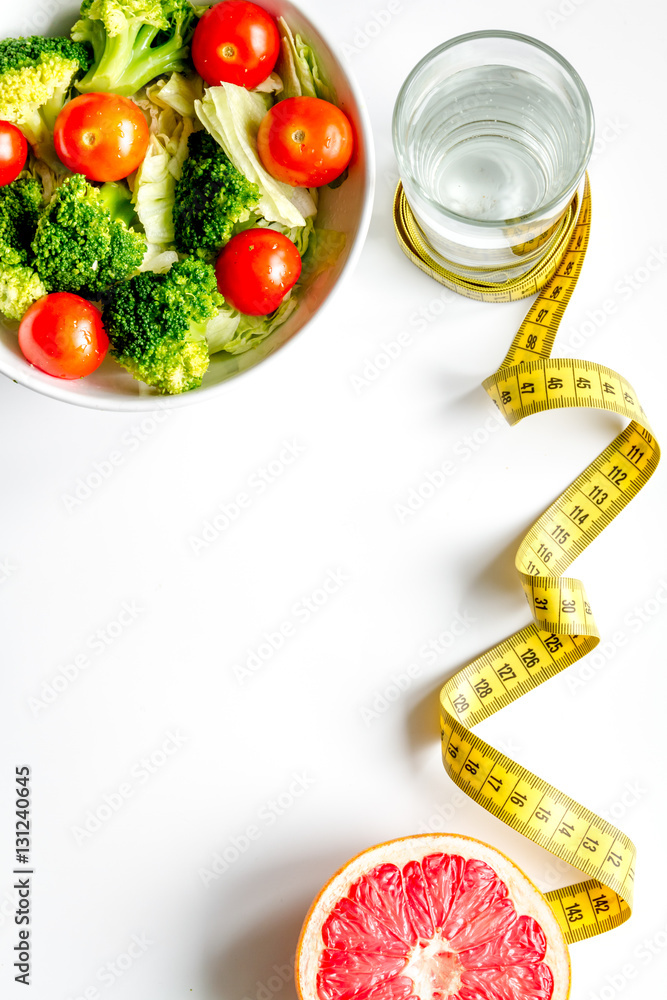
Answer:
x=431 y=917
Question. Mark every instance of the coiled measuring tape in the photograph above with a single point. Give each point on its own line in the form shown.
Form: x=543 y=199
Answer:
x=563 y=629
x=414 y=245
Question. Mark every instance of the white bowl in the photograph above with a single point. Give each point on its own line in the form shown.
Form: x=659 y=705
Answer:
x=346 y=209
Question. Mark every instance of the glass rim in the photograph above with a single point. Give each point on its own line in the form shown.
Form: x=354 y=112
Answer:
x=562 y=62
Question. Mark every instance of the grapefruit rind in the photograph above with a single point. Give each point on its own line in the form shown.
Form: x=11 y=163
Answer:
x=526 y=897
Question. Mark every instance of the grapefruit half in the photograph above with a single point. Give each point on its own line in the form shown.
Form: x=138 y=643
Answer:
x=434 y=917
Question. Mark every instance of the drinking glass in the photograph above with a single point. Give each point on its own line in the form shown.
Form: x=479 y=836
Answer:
x=493 y=132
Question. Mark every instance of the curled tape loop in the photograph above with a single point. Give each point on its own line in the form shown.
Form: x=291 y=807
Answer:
x=563 y=628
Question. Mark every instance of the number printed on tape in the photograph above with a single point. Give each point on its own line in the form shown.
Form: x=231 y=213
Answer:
x=563 y=628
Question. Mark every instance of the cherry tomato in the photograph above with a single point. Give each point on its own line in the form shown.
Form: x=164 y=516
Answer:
x=62 y=335
x=305 y=141
x=235 y=42
x=13 y=152
x=256 y=269
x=102 y=136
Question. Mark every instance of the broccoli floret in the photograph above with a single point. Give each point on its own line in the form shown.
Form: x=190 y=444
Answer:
x=82 y=245
x=211 y=197
x=36 y=76
x=134 y=41
x=157 y=323
x=20 y=286
x=20 y=205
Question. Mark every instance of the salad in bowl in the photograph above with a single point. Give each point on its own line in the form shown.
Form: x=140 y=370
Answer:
x=181 y=187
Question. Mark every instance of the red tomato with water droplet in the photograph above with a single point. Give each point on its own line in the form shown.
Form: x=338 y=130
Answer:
x=62 y=335
x=235 y=42
x=305 y=141
x=13 y=152
x=256 y=269
x=102 y=136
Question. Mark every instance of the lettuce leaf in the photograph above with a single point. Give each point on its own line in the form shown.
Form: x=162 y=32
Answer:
x=237 y=333
x=299 y=235
x=286 y=66
x=167 y=103
x=154 y=184
x=42 y=172
x=249 y=330
x=169 y=107
x=179 y=92
x=299 y=69
x=153 y=196
x=323 y=249
x=221 y=329
x=158 y=260
x=272 y=85
x=232 y=115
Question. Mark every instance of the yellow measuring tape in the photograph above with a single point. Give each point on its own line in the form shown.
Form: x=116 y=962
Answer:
x=414 y=245
x=563 y=630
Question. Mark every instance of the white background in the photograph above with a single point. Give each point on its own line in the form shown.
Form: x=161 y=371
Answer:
x=308 y=750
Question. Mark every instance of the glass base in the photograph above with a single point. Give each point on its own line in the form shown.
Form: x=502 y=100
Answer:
x=486 y=265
